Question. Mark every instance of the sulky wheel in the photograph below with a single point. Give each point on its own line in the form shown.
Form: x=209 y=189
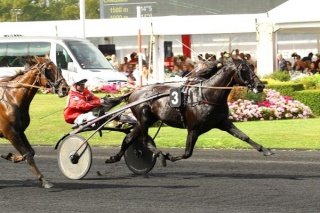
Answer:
x=74 y=157
x=139 y=158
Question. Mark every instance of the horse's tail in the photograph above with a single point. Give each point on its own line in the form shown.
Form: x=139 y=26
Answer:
x=112 y=102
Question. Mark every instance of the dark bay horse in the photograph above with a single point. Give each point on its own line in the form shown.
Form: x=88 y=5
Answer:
x=207 y=110
x=16 y=94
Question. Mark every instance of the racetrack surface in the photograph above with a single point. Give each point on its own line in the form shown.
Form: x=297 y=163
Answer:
x=210 y=181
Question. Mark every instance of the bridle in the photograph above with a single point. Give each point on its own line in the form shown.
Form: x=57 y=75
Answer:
x=250 y=82
x=42 y=71
x=58 y=77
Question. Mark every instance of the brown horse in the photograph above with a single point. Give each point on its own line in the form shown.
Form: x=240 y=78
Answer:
x=17 y=93
x=204 y=107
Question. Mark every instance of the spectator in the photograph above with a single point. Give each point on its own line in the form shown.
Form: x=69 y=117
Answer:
x=289 y=66
x=222 y=59
x=133 y=58
x=213 y=58
x=305 y=67
x=313 y=69
x=318 y=68
x=80 y=103
x=249 y=59
x=136 y=72
x=187 y=60
x=300 y=66
x=206 y=57
x=282 y=66
x=236 y=55
x=318 y=60
x=145 y=74
x=297 y=64
x=176 y=70
x=114 y=62
x=185 y=69
x=125 y=60
x=308 y=58
x=200 y=61
x=129 y=74
x=242 y=56
x=200 y=57
x=125 y=70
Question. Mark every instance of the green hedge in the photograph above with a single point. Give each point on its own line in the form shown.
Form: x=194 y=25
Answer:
x=286 y=88
x=310 y=98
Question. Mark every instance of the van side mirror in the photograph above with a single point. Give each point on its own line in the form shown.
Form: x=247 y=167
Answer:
x=71 y=68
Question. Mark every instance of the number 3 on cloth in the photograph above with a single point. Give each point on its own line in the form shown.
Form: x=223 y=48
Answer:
x=175 y=97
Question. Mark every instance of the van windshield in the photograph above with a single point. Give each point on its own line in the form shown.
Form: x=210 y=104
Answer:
x=88 y=55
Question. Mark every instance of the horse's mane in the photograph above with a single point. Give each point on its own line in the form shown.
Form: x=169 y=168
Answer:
x=207 y=72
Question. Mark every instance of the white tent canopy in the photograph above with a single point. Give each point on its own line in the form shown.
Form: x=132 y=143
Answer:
x=295 y=11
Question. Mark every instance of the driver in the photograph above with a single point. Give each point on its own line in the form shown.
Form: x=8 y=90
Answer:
x=80 y=103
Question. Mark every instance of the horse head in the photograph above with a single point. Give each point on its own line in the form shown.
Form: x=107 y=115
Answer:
x=245 y=76
x=52 y=76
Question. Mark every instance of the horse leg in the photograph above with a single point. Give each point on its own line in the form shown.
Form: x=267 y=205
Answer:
x=22 y=145
x=146 y=120
x=190 y=144
x=19 y=158
x=156 y=152
x=229 y=127
x=129 y=138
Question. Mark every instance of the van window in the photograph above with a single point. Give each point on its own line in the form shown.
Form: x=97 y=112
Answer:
x=14 y=54
x=63 y=57
x=88 y=55
x=39 y=49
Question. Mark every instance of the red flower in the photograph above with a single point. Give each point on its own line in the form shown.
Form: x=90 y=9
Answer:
x=265 y=103
x=287 y=98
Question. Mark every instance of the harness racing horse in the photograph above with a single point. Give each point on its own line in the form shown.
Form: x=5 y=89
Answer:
x=208 y=110
x=16 y=94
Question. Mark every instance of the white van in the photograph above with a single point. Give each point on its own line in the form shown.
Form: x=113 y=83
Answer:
x=74 y=56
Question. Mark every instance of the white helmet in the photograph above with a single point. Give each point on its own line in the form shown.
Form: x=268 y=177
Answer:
x=77 y=79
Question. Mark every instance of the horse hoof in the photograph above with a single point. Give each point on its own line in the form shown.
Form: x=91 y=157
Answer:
x=112 y=159
x=8 y=156
x=47 y=185
x=267 y=152
x=162 y=160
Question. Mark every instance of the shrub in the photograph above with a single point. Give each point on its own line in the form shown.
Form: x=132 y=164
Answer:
x=280 y=76
x=309 y=82
x=255 y=97
x=286 y=88
x=310 y=98
x=240 y=92
x=237 y=92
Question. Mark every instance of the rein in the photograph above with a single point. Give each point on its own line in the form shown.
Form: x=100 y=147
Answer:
x=23 y=84
x=54 y=85
x=209 y=87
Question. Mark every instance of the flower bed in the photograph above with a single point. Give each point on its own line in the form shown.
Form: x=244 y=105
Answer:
x=273 y=107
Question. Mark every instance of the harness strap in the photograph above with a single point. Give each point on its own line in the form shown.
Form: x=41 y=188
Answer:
x=209 y=103
x=181 y=116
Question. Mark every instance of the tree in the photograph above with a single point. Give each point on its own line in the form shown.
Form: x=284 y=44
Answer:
x=47 y=10
x=92 y=9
